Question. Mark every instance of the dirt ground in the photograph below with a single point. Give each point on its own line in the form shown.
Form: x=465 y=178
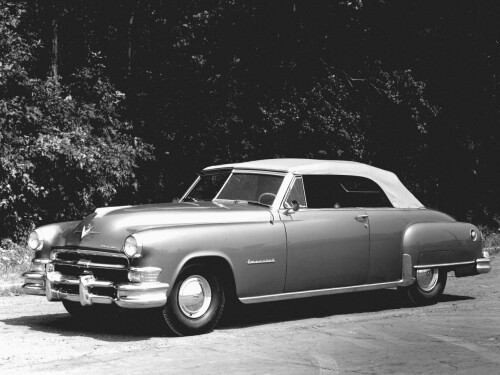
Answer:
x=362 y=333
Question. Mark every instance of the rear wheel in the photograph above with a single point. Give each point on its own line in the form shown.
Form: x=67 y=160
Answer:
x=195 y=303
x=428 y=286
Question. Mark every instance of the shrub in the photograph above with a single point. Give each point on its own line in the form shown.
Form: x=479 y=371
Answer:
x=65 y=147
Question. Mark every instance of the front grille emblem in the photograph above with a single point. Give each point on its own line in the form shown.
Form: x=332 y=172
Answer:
x=87 y=230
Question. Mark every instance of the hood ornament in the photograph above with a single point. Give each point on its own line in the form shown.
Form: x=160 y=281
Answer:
x=87 y=229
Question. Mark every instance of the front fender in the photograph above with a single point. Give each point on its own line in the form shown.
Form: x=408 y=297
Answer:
x=53 y=235
x=241 y=245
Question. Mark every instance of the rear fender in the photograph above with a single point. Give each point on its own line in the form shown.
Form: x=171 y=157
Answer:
x=447 y=244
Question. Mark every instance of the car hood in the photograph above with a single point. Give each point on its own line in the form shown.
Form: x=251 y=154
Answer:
x=106 y=229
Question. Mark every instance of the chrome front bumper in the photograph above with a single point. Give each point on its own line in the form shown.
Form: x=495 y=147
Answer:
x=55 y=287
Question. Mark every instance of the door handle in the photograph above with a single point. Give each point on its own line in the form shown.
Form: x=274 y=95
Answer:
x=361 y=217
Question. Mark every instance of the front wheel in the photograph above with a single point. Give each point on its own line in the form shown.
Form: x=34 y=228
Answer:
x=195 y=303
x=428 y=286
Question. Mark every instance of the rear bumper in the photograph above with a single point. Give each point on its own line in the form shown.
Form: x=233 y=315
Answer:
x=89 y=291
x=483 y=265
x=477 y=267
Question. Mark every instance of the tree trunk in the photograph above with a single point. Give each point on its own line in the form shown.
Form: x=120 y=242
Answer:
x=129 y=37
x=55 y=43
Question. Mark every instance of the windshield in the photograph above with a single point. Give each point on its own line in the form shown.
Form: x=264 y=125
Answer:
x=249 y=187
x=208 y=186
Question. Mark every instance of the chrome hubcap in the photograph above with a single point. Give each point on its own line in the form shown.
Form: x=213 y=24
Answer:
x=195 y=296
x=427 y=278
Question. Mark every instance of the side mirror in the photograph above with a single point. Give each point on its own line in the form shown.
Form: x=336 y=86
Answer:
x=175 y=200
x=291 y=210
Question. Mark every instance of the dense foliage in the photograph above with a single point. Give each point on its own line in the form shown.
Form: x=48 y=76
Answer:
x=410 y=86
x=64 y=147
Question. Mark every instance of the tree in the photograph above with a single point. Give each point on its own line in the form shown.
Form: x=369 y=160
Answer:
x=64 y=147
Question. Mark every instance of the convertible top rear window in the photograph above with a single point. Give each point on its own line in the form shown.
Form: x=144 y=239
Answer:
x=343 y=191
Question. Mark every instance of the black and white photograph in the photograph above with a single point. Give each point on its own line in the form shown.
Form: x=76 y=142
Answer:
x=249 y=187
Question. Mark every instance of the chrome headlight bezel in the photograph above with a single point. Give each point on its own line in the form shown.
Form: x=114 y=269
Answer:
x=132 y=247
x=35 y=240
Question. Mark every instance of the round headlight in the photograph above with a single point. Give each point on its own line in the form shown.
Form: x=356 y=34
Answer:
x=131 y=248
x=35 y=241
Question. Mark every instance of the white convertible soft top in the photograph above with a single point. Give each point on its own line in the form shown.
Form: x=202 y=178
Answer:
x=396 y=192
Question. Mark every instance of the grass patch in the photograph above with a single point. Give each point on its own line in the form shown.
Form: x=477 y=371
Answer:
x=10 y=290
x=491 y=239
x=14 y=260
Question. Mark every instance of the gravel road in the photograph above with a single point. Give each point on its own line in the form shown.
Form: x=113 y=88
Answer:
x=362 y=333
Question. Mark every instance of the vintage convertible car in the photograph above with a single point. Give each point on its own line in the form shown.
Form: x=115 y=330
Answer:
x=261 y=231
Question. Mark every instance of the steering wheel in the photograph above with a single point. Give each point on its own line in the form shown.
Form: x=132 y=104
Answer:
x=272 y=195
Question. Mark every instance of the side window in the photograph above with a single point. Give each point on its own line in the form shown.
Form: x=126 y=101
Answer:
x=330 y=191
x=322 y=191
x=363 y=192
x=297 y=193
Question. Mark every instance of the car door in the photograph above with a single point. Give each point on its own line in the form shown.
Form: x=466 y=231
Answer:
x=327 y=241
x=386 y=226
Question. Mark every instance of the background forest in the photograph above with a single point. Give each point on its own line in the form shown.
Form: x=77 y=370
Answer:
x=120 y=102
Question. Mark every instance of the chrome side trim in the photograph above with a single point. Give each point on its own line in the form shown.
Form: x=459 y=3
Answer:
x=443 y=264
x=321 y=292
x=407 y=279
x=261 y=261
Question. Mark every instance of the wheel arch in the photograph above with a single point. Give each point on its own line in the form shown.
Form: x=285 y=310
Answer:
x=219 y=262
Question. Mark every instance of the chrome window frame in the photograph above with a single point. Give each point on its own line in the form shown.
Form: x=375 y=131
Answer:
x=289 y=190
x=188 y=191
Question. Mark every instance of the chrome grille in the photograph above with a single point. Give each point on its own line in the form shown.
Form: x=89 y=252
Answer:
x=103 y=265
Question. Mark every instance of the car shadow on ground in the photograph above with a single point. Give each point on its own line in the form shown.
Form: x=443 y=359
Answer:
x=132 y=325
x=342 y=304
x=136 y=325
